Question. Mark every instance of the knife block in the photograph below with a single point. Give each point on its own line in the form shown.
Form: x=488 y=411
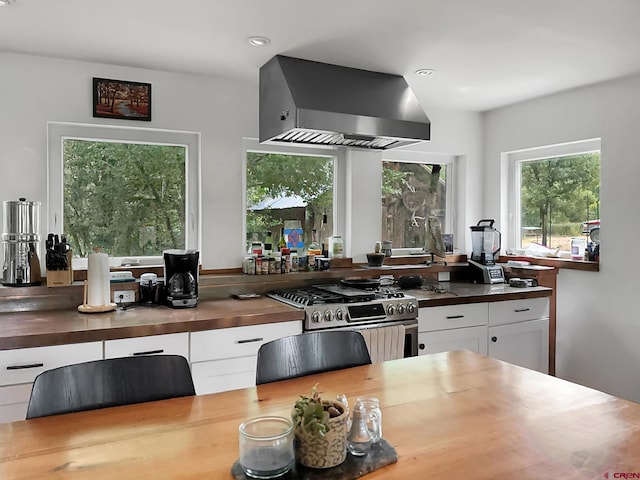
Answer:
x=61 y=278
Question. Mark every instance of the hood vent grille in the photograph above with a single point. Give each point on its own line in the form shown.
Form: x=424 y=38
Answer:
x=313 y=137
x=311 y=103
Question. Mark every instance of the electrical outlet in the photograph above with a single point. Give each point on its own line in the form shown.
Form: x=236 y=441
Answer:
x=124 y=296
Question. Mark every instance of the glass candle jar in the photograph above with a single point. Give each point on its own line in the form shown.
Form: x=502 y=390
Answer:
x=266 y=447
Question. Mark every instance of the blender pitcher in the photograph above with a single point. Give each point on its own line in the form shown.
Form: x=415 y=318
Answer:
x=485 y=242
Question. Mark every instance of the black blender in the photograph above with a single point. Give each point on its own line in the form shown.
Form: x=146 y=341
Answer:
x=181 y=277
x=485 y=241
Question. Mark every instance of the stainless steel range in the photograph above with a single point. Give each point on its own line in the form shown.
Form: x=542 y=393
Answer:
x=337 y=306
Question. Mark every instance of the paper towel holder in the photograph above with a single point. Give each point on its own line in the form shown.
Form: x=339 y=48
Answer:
x=86 y=308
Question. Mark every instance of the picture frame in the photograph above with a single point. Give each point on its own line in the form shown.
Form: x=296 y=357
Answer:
x=121 y=99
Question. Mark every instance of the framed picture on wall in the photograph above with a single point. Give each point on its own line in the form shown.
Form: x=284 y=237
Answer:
x=121 y=99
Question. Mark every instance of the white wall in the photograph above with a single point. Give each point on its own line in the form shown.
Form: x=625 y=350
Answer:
x=35 y=90
x=598 y=328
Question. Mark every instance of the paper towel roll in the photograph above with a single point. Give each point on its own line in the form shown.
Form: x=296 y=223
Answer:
x=98 y=288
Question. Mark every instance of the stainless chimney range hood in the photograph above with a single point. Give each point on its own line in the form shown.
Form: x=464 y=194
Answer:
x=313 y=103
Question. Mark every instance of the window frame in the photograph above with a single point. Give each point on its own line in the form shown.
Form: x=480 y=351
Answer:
x=449 y=161
x=512 y=161
x=58 y=132
x=339 y=197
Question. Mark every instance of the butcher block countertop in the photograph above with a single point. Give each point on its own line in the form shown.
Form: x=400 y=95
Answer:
x=59 y=327
x=456 y=293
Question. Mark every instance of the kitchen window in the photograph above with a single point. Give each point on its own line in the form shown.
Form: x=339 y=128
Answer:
x=288 y=188
x=415 y=186
x=133 y=192
x=554 y=196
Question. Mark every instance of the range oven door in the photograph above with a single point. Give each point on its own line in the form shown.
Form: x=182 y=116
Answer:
x=410 y=333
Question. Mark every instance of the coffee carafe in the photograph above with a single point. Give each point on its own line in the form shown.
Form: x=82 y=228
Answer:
x=181 y=277
x=21 y=241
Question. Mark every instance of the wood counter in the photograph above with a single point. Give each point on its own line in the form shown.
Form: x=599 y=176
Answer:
x=452 y=415
x=59 y=327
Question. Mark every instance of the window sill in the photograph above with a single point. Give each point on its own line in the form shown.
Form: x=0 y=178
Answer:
x=555 y=262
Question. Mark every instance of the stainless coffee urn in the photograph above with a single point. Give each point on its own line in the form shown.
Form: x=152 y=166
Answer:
x=20 y=240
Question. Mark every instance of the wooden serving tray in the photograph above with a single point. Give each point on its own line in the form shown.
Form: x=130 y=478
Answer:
x=380 y=455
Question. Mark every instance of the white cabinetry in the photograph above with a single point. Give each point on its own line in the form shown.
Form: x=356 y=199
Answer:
x=225 y=359
x=170 y=344
x=519 y=332
x=18 y=369
x=516 y=331
x=453 y=327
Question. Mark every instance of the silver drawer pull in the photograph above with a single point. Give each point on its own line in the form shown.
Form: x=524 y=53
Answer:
x=451 y=317
x=519 y=310
x=23 y=367
x=150 y=352
x=251 y=340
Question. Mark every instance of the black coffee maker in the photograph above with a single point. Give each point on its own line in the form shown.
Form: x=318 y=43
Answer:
x=181 y=277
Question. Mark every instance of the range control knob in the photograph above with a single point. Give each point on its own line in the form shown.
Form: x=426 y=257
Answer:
x=391 y=310
x=340 y=314
x=411 y=308
x=315 y=317
x=401 y=308
x=328 y=315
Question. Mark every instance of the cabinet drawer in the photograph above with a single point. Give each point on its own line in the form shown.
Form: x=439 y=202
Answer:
x=452 y=316
x=171 y=344
x=512 y=311
x=222 y=375
x=238 y=341
x=23 y=365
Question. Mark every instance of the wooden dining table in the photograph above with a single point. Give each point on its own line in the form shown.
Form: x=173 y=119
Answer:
x=453 y=415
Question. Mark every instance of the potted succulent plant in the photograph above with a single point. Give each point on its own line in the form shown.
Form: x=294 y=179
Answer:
x=320 y=428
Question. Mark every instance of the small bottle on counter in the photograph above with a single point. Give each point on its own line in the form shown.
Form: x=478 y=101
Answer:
x=337 y=247
x=258 y=265
x=268 y=245
x=282 y=243
x=274 y=266
x=294 y=260
x=314 y=247
x=286 y=260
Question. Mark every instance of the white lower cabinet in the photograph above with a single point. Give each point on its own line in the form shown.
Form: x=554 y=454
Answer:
x=519 y=332
x=225 y=359
x=516 y=331
x=522 y=343
x=453 y=327
x=19 y=367
x=169 y=344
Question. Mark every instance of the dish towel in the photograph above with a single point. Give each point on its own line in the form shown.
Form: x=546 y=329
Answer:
x=384 y=343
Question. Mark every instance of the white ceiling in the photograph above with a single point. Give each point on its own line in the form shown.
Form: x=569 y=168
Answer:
x=486 y=53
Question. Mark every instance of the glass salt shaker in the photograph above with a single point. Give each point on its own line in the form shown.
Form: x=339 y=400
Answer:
x=359 y=439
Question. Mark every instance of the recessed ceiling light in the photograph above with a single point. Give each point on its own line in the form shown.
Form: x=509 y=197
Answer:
x=4 y=3
x=425 y=72
x=256 y=41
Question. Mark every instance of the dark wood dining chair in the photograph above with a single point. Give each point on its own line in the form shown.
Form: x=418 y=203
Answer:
x=309 y=353
x=109 y=383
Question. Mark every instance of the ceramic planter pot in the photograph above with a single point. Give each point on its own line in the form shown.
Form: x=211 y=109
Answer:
x=324 y=452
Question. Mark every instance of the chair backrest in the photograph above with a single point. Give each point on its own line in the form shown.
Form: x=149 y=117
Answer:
x=309 y=353
x=109 y=383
